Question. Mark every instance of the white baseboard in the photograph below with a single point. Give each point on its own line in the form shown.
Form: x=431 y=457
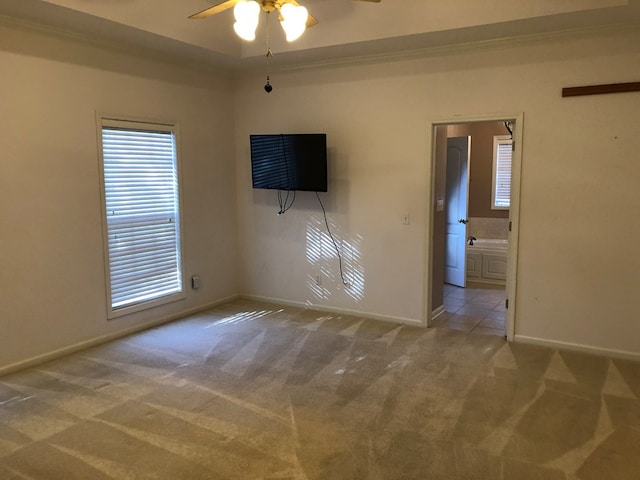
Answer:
x=575 y=347
x=39 y=359
x=343 y=311
x=438 y=311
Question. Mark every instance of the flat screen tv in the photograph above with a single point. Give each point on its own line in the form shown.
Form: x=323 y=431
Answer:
x=289 y=161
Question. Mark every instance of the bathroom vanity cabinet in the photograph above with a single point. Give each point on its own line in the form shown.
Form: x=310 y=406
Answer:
x=487 y=267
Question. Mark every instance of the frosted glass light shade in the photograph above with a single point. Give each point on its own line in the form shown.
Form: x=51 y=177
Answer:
x=294 y=20
x=247 y=14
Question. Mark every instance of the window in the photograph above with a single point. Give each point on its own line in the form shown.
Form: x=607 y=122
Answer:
x=141 y=215
x=501 y=188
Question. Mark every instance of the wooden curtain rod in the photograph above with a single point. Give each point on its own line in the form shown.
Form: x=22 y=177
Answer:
x=601 y=89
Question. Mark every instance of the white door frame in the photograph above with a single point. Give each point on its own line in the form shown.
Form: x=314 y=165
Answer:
x=514 y=210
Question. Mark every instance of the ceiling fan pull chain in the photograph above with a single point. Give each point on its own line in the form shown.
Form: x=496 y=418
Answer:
x=267 y=86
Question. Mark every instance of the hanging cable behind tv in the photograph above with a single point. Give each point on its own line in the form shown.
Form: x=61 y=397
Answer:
x=284 y=202
x=333 y=240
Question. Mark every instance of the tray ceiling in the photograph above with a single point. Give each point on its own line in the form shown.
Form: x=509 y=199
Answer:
x=346 y=29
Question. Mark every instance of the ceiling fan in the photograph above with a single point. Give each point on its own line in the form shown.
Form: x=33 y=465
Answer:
x=293 y=17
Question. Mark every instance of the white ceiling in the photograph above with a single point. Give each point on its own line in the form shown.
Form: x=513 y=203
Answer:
x=347 y=28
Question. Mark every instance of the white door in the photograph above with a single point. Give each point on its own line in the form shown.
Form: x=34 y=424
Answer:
x=457 y=192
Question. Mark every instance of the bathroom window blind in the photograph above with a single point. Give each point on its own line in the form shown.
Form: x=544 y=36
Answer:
x=142 y=215
x=501 y=185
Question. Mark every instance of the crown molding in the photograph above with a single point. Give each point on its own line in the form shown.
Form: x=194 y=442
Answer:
x=182 y=55
x=480 y=46
x=203 y=60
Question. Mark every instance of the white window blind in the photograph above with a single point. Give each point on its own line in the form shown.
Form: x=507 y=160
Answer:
x=502 y=153
x=142 y=215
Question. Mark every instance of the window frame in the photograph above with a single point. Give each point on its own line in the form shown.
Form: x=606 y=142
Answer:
x=113 y=121
x=497 y=141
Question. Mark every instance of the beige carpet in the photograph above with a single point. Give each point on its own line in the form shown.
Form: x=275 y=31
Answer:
x=253 y=391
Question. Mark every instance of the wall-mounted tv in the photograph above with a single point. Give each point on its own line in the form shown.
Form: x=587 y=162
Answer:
x=289 y=161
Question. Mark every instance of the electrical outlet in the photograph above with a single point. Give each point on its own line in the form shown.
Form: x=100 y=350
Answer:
x=405 y=219
x=195 y=282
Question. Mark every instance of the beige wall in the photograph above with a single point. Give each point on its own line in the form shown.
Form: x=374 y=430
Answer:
x=579 y=178
x=481 y=165
x=577 y=268
x=52 y=276
x=481 y=170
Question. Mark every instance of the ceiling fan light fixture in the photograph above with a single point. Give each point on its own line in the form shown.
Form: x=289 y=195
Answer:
x=247 y=14
x=294 y=20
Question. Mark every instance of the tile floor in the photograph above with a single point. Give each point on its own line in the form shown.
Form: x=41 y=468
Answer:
x=478 y=308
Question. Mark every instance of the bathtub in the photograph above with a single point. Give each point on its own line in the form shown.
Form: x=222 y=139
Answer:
x=487 y=260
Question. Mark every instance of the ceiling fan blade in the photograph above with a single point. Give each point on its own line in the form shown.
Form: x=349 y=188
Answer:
x=311 y=20
x=227 y=4
x=221 y=7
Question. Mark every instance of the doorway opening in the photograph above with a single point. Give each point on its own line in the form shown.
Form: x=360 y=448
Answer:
x=475 y=165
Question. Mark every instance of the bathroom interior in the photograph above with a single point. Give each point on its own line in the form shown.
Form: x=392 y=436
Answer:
x=474 y=301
